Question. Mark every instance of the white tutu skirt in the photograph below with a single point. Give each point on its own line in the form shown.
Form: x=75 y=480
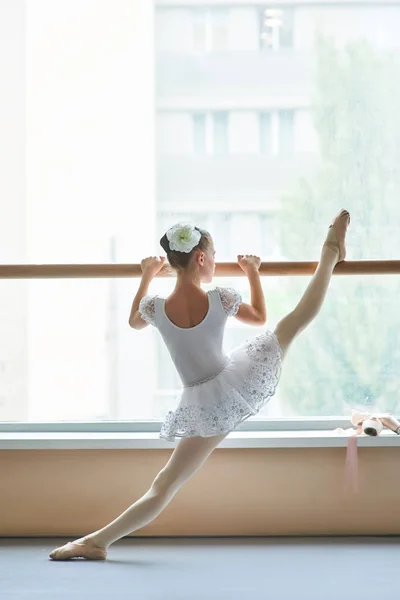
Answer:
x=218 y=405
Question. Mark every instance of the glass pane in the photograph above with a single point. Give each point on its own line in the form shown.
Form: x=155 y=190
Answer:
x=349 y=356
x=68 y=352
x=286 y=29
x=335 y=139
x=199 y=16
x=337 y=363
x=265 y=133
x=80 y=91
x=199 y=133
x=220 y=133
x=286 y=118
x=269 y=22
x=219 y=25
x=276 y=27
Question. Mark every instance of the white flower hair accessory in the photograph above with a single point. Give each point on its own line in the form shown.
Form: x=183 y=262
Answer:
x=183 y=237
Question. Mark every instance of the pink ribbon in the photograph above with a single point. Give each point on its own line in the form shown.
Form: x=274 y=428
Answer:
x=351 y=469
x=351 y=466
x=357 y=419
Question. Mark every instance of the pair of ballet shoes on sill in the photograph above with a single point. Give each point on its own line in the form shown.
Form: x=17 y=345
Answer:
x=372 y=424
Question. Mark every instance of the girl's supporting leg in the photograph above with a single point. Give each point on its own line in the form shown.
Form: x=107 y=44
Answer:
x=333 y=251
x=189 y=455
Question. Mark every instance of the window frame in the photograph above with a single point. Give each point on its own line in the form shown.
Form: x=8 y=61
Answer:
x=154 y=425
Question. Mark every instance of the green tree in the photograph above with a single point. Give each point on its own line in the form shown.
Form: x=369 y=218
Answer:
x=351 y=354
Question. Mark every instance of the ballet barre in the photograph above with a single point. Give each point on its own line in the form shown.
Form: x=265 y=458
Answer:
x=222 y=269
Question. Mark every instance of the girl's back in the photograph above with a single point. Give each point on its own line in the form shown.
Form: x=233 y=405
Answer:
x=187 y=309
x=195 y=344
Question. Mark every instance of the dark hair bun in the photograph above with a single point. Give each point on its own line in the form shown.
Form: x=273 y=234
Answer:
x=165 y=243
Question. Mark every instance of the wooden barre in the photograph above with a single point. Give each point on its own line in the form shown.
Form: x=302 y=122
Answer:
x=223 y=269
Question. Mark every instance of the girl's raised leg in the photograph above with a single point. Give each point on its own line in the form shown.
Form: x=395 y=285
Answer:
x=333 y=251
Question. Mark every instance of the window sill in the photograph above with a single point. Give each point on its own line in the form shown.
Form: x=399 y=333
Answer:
x=151 y=441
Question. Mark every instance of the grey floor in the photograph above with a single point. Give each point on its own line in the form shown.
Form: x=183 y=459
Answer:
x=206 y=569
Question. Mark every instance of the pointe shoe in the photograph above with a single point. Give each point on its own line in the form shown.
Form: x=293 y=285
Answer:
x=339 y=227
x=373 y=424
x=372 y=427
x=391 y=422
x=81 y=550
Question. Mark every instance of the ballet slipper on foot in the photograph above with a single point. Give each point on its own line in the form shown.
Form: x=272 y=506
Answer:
x=337 y=234
x=81 y=549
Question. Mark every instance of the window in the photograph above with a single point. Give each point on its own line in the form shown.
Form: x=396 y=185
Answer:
x=286 y=118
x=265 y=133
x=327 y=355
x=210 y=29
x=219 y=24
x=81 y=183
x=276 y=132
x=199 y=133
x=276 y=28
x=220 y=133
x=201 y=32
x=210 y=133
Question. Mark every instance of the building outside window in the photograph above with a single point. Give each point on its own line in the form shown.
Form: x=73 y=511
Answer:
x=276 y=132
x=210 y=29
x=210 y=133
x=276 y=28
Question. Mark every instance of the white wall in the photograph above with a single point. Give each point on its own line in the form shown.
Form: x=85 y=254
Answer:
x=12 y=130
x=13 y=346
x=90 y=166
